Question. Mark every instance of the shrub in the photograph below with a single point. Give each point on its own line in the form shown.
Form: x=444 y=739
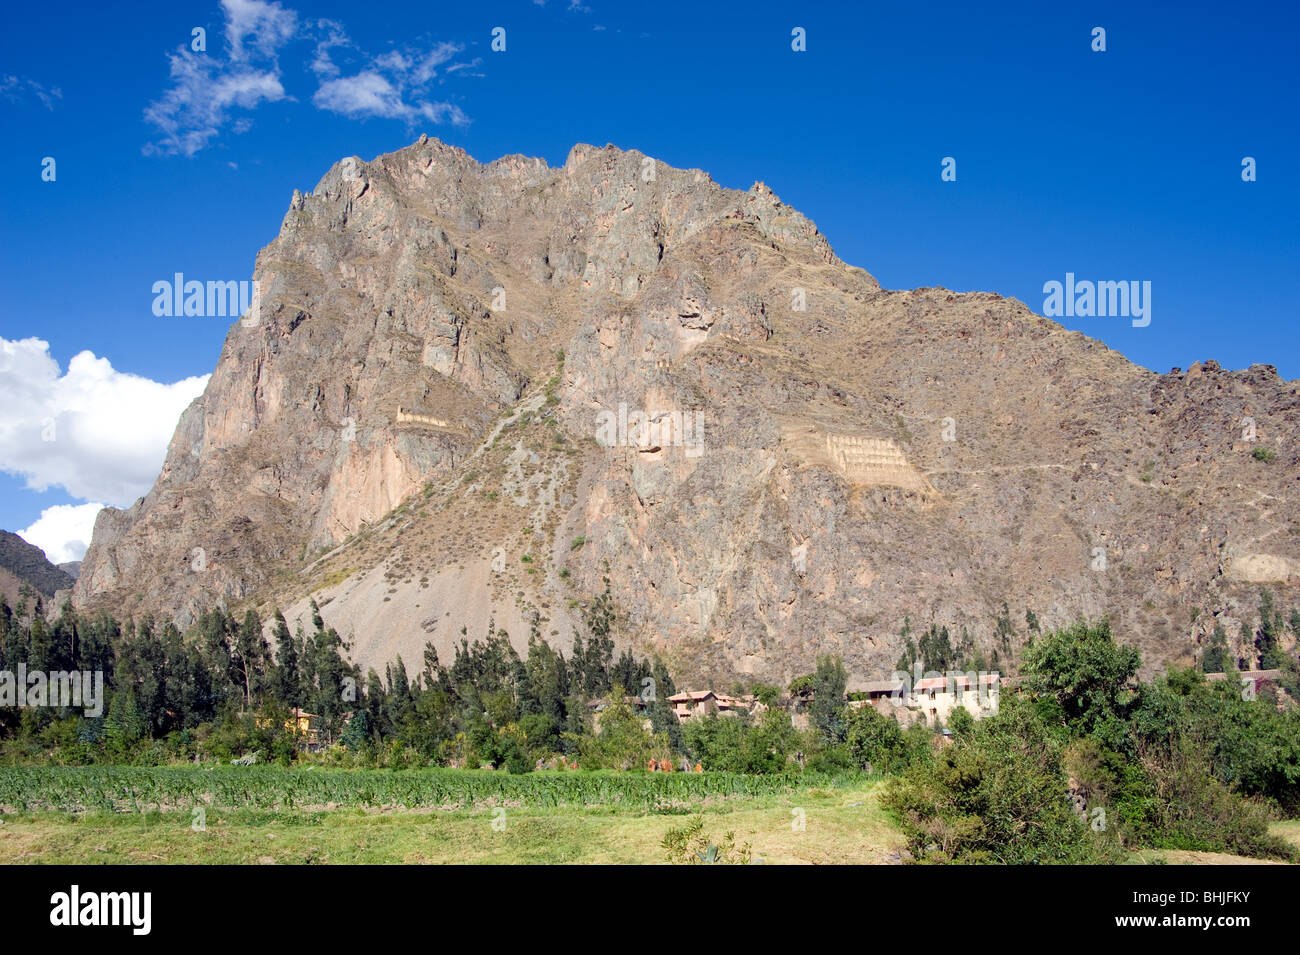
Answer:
x=876 y=739
x=1194 y=810
x=997 y=794
x=733 y=744
x=691 y=845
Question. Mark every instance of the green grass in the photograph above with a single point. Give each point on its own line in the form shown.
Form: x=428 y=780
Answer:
x=842 y=822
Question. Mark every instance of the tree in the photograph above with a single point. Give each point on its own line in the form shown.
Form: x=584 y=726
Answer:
x=1216 y=658
x=936 y=650
x=827 y=712
x=629 y=672
x=766 y=693
x=125 y=725
x=593 y=657
x=249 y=658
x=399 y=702
x=1003 y=630
x=545 y=687
x=356 y=735
x=735 y=744
x=876 y=739
x=801 y=684
x=287 y=680
x=662 y=718
x=622 y=741
x=330 y=698
x=1084 y=672
x=908 y=658
x=1271 y=628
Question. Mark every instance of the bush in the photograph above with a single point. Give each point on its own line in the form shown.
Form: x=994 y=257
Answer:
x=1249 y=745
x=998 y=794
x=691 y=845
x=876 y=740
x=1194 y=810
x=620 y=742
x=733 y=744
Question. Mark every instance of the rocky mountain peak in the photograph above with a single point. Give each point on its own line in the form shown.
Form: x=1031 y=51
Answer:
x=470 y=391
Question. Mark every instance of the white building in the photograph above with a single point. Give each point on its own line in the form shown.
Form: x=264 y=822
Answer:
x=936 y=697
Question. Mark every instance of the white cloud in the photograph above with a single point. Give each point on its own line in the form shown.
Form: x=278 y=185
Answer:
x=99 y=433
x=427 y=67
x=198 y=104
x=393 y=60
x=205 y=87
x=323 y=64
x=14 y=87
x=269 y=26
x=63 y=531
x=370 y=94
x=394 y=86
x=366 y=94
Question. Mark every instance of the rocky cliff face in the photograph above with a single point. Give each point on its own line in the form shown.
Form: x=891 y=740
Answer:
x=467 y=392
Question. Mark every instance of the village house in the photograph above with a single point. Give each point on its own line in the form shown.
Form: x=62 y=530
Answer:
x=693 y=703
x=739 y=704
x=937 y=697
x=877 y=693
x=700 y=703
x=302 y=724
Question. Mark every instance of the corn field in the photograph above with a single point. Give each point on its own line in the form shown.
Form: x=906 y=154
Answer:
x=139 y=789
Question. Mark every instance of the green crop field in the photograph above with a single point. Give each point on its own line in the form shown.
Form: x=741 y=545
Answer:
x=268 y=814
x=135 y=789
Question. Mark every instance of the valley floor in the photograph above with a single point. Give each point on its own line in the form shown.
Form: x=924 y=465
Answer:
x=840 y=824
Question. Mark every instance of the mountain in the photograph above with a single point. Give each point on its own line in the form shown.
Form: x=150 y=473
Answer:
x=412 y=424
x=24 y=563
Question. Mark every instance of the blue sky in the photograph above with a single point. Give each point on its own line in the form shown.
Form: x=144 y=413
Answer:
x=1115 y=165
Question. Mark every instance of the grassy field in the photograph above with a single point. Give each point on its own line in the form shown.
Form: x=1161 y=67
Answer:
x=266 y=815
x=842 y=823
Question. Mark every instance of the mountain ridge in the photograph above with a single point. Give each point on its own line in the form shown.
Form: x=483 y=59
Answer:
x=868 y=455
x=25 y=563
